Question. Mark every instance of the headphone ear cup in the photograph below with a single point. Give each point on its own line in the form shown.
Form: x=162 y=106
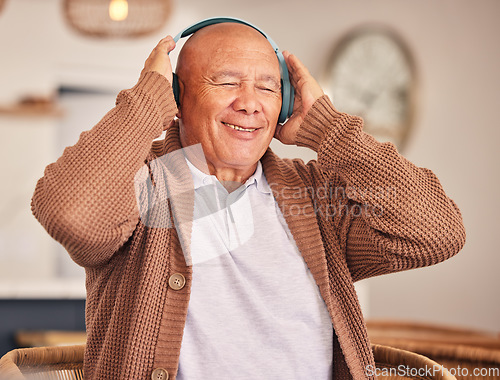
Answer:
x=283 y=105
x=292 y=100
x=287 y=99
x=175 y=89
x=287 y=90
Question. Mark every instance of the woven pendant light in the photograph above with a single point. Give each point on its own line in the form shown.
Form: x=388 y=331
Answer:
x=116 y=18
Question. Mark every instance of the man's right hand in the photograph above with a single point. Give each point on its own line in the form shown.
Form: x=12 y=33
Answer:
x=159 y=60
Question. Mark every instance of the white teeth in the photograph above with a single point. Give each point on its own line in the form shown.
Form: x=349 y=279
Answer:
x=240 y=128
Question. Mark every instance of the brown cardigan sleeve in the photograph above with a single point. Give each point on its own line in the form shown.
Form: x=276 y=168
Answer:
x=403 y=217
x=86 y=199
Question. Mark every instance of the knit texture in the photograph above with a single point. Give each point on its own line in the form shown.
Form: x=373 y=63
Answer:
x=360 y=210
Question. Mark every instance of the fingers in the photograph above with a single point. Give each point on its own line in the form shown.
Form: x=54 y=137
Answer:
x=307 y=89
x=159 y=60
x=287 y=132
x=166 y=44
x=164 y=47
x=296 y=68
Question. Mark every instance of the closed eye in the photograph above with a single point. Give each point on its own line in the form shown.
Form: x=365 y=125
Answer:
x=267 y=89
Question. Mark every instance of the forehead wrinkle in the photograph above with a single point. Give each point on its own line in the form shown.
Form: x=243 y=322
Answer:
x=238 y=74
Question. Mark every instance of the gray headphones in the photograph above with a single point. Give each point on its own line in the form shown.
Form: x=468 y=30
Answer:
x=287 y=91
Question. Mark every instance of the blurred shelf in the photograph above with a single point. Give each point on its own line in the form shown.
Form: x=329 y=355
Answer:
x=57 y=288
x=32 y=109
x=49 y=338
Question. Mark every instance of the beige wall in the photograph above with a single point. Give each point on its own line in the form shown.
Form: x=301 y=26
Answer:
x=455 y=45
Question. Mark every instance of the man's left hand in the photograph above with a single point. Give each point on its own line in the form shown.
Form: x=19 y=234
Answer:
x=307 y=91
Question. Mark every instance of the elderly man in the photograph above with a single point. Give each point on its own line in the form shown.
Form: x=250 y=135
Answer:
x=197 y=298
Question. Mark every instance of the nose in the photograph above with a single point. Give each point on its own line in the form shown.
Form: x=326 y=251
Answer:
x=247 y=100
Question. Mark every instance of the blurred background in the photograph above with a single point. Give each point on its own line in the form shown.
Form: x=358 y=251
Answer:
x=439 y=59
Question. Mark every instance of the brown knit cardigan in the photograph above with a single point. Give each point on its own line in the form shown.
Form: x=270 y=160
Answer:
x=383 y=215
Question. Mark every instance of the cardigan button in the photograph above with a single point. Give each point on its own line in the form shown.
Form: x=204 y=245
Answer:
x=159 y=374
x=177 y=281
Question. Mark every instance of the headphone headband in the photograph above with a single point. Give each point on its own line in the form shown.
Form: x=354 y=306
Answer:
x=287 y=91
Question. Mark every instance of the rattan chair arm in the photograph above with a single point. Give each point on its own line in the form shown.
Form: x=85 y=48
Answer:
x=8 y=367
x=40 y=357
x=386 y=356
x=51 y=355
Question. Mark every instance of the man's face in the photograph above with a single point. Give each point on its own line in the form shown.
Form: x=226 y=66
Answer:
x=230 y=82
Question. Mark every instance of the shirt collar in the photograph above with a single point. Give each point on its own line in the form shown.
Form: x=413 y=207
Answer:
x=257 y=178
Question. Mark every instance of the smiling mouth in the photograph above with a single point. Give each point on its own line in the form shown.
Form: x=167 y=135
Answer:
x=240 y=128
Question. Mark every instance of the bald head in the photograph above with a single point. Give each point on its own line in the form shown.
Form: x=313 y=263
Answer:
x=208 y=45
